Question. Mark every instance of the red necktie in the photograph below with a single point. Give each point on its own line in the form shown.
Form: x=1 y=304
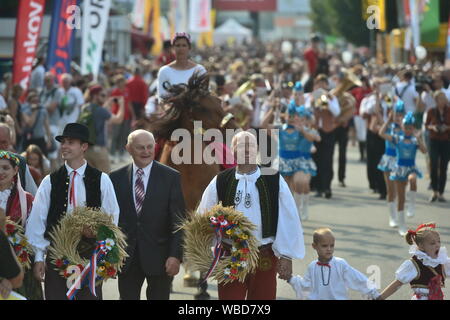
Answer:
x=72 y=190
x=323 y=264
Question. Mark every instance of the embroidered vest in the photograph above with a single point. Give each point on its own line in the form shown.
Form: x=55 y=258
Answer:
x=60 y=193
x=268 y=188
x=425 y=274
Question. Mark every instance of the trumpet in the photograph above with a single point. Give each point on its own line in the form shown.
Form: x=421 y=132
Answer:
x=323 y=102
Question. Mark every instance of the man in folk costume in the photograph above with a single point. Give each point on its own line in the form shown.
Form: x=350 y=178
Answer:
x=268 y=203
x=75 y=184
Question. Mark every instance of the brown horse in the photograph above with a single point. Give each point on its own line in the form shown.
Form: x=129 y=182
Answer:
x=188 y=103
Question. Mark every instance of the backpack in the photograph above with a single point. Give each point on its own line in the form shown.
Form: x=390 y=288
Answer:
x=87 y=118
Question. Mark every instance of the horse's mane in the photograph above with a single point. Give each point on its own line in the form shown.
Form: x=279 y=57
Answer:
x=182 y=98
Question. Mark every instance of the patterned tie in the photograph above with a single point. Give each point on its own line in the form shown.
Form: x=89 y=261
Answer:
x=139 y=191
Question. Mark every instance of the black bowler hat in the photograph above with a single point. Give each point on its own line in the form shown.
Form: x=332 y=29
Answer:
x=75 y=131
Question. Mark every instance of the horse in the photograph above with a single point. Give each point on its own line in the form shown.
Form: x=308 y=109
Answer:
x=188 y=103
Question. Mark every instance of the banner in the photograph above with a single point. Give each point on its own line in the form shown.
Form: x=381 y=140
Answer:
x=429 y=27
x=447 y=59
x=137 y=15
x=178 y=16
x=152 y=24
x=246 y=5
x=415 y=22
x=207 y=38
x=381 y=5
x=200 y=16
x=28 y=29
x=95 y=21
x=62 y=34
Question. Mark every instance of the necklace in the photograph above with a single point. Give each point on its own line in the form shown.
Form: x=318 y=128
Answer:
x=323 y=278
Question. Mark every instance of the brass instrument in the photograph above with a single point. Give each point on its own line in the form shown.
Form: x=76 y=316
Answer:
x=320 y=98
x=346 y=100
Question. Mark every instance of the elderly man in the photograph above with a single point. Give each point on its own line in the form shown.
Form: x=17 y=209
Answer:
x=279 y=230
x=71 y=101
x=151 y=209
x=24 y=171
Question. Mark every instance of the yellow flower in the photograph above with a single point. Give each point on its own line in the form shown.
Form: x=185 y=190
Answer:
x=244 y=236
x=228 y=232
x=101 y=269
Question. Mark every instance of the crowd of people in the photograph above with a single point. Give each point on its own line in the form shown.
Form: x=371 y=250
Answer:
x=75 y=126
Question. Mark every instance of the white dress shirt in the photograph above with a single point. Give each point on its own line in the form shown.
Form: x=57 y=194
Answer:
x=331 y=283
x=289 y=238
x=145 y=178
x=37 y=222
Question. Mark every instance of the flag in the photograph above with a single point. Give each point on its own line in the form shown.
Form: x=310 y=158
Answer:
x=152 y=24
x=415 y=21
x=28 y=29
x=447 y=59
x=137 y=15
x=61 y=37
x=200 y=16
x=381 y=5
x=178 y=16
x=95 y=21
x=429 y=27
x=207 y=38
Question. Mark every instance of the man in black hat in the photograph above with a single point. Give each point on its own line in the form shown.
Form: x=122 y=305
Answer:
x=75 y=184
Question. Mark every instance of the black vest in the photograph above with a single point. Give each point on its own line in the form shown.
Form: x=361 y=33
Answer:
x=268 y=188
x=60 y=193
x=425 y=274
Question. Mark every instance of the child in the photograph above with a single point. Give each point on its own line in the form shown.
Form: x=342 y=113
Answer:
x=329 y=278
x=405 y=170
x=307 y=168
x=426 y=270
x=387 y=163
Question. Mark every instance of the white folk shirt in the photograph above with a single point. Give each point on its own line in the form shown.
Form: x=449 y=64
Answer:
x=331 y=283
x=407 y=272
x=289 y=240
x=37 y=222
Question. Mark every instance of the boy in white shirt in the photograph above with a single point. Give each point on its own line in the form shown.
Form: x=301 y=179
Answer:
x=328 y=277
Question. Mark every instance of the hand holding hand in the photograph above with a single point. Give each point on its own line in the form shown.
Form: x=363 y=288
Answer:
x=284 y=268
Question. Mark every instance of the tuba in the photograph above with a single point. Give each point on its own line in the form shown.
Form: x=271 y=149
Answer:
x=346 y=101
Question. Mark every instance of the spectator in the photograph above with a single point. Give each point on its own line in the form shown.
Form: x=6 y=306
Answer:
x=37 y=75
x=438 y=124
x=71 y=101
x=95 y=115
x=167 y=56
x=38 y=127
x=38 y=164
x=120 y=131
x=15 y=110
x=138 y=93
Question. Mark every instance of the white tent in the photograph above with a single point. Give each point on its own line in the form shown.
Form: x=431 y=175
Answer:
x=231 y=29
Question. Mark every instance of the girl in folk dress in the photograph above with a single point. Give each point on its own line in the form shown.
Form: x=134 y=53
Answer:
x=405 y=170
x=427 y=269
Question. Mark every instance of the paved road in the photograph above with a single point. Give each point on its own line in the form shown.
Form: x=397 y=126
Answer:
x=363 y=237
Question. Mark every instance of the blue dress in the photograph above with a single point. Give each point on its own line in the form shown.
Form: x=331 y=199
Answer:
x=406 y=158
x=389 y=159
x=295 y=153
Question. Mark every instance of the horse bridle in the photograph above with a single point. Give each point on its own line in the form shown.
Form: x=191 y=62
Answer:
x=226 y=119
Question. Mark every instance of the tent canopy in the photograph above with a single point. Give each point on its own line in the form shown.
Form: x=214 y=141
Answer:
x=231 y=29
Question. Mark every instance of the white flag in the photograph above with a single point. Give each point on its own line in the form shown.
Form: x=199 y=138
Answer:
x=200 y=16
x=179 y=15
x=137 y=15
x=95 y=21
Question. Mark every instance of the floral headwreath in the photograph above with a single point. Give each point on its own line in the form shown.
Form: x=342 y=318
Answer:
x=9 y=156
x=179 y=35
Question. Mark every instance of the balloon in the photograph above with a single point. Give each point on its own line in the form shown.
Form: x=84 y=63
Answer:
x=421 y=52
x=286 y=47
x=347 y=57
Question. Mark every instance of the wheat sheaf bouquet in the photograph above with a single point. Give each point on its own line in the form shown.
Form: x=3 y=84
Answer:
x=93 y=260
x=220 y=244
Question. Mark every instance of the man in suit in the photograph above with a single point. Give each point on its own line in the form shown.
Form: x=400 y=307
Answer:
x=152 y=207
